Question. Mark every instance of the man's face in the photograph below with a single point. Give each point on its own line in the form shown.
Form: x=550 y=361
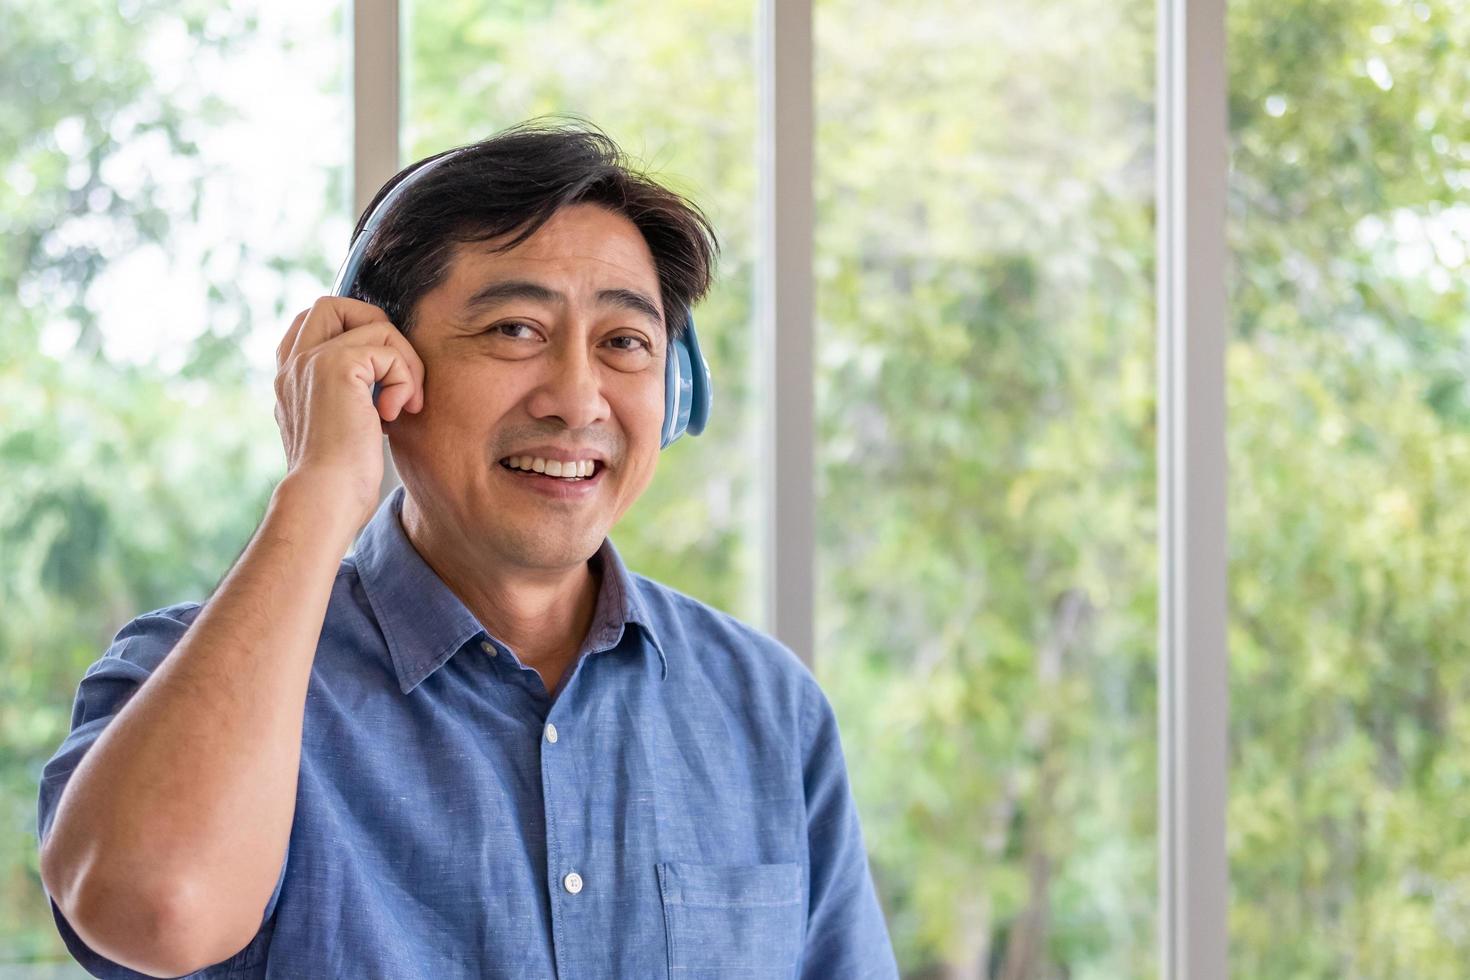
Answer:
x=561 y=357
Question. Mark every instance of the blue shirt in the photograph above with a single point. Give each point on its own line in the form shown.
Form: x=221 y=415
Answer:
x=678 y=807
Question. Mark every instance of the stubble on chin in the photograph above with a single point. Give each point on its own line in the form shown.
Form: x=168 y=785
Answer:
x=549 y=544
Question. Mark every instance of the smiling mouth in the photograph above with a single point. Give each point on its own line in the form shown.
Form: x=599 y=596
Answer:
x=577 y=472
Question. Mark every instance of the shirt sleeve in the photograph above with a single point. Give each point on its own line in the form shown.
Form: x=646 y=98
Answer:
x=106 y=686
x=846 y=933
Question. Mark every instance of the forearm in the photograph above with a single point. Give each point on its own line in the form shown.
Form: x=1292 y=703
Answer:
x=186 y=799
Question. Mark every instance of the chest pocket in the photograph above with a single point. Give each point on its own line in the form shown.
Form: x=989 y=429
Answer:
x=732 y=921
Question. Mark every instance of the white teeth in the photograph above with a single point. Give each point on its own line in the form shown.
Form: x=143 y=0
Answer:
x=580 y=469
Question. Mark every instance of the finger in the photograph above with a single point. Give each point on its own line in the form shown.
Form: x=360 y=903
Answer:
x=385 y=334
x=283 y=349
x=330 y=317
x=394 y=374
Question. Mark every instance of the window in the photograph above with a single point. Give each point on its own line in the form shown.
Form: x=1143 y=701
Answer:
x=987 y=558
x=175 y=189
x=1349 y=452
x=988 y=418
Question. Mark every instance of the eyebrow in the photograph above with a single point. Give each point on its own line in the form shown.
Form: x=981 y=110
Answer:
x=494 y=293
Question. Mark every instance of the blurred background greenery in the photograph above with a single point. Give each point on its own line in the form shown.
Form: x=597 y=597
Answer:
x=176 y=187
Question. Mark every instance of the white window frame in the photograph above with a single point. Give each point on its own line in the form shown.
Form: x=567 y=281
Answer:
x=1191 y=140
x=374 y=27
x=1193 y=679
x=786 y=298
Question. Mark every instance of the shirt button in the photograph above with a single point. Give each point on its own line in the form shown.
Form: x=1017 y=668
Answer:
x=489 y=648
x=551 y=737
x=573 y=882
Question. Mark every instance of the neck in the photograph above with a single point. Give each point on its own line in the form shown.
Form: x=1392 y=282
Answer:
x=542 y=614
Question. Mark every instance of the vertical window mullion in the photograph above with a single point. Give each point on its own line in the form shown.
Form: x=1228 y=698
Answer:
x=785 y=297
x=1193 y=673
x=375 y=119
x=375 y=75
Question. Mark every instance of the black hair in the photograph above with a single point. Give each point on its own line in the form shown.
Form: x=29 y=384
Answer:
x=514 y=181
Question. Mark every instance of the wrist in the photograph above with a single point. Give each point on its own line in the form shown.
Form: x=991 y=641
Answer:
x=321 y=502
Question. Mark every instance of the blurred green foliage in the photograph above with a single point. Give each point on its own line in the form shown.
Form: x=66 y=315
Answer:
x=1349 y=830
x=985 y=306
x=123 y=492
x=987 y=516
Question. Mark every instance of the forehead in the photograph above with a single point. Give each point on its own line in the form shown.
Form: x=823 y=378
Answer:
x=581 y=248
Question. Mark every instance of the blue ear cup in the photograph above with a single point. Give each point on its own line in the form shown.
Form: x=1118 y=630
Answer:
x=687 y=392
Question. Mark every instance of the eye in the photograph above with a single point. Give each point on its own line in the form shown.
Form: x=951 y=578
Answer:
x=642 y=345
x=513 y=325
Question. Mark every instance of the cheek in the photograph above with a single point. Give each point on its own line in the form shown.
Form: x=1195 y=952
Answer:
x=641 y=407
x=465 y=396
x=457 y=416
x=641 y=414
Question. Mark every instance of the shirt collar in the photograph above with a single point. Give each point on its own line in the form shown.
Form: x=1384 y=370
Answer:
x=424 y=623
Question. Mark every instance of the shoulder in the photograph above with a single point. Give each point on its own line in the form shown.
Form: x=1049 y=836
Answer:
x=164 y=618
x=721 y=644
x=136 y=651
x=147 y=638
x=689 y=618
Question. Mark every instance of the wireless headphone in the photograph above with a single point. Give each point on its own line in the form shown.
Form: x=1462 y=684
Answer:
x=687 y=394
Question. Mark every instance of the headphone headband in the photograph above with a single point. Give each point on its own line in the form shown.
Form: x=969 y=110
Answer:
x=347 y=273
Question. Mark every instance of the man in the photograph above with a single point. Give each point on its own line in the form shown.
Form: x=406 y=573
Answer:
x=478 y=746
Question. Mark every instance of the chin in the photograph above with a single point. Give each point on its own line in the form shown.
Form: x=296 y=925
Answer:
x=548 y=547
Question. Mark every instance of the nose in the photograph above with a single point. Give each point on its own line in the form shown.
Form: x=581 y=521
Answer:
x=571 y=390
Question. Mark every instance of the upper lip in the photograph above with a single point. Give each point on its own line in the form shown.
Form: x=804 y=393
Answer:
x=558 y=454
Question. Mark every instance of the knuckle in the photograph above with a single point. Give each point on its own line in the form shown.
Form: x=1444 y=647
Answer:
x=326 y=362
x=288 y=338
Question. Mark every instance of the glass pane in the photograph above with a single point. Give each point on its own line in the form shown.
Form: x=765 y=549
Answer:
x=1349 y=458
x=674 y=85
x=174 y=190
x=986 y=481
